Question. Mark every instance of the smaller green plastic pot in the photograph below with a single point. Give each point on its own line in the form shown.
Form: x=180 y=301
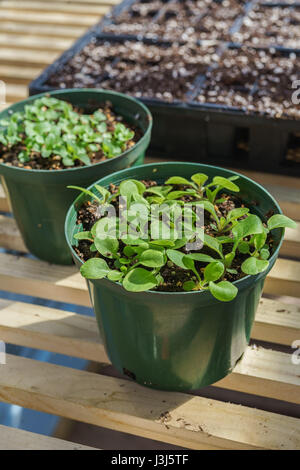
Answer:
x=39 y=199
x=177 y=340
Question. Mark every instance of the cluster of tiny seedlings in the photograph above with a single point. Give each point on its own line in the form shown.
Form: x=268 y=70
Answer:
x=52 y=130
x=236 y=242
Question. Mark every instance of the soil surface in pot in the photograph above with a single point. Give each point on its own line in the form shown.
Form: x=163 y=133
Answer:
x=173 y=276
x=137 y=68
x=259 y=81
x=271 y=26
x=66 y=138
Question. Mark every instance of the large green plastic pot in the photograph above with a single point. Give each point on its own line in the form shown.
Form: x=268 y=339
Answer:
x=40 y=199
x=176 y=341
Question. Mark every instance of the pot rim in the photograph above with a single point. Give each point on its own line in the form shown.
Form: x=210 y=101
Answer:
x=75 y=91
x=240 y=283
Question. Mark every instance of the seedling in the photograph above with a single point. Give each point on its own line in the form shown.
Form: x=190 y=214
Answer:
x=236 y=242
x=51 y=128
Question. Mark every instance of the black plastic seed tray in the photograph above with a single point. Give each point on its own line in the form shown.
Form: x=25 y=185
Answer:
x=206 y=132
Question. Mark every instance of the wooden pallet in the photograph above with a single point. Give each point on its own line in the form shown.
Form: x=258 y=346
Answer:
x=197 y=422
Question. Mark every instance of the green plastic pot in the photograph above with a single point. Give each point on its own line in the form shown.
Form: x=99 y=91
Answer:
x=177 y=340
x=40 y=199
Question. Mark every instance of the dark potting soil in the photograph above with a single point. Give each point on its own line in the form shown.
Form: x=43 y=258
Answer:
x=9 y=156
x=174 y=276
x=259 y=81
x=136 y=68
x=179 y=21
x=276 y=26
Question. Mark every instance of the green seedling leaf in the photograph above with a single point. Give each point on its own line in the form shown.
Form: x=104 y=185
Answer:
x=235 y=214
x=189 y=286
x=103 y=191
x=200 y=257
x=83 y=236
x=264 y=253
x=254 y=265
x=128 y=188
x=179 y=180
x=199 y=179
x=209 y=207
x=213 y=271
x=108 y=247
x=86 y=191
x=225 y=183
x=213 y=244
x=223 y=291
x=94 y=268
x=114 y=276
x=152 y=258
x=177 y=257
x=249 y=226
x=259 y=239
x=281 y=221
x=243 y=247
x=139 y=280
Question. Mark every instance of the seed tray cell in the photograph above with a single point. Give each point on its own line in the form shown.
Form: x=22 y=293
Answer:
x=144 y=69
x=256 y=81
x=135 y=17
x=188 y=20
x=270 y=26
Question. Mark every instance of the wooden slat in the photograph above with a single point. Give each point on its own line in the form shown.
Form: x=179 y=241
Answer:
x=16 y=92
x=266 y=373
x=40 y=279
x=276 y=322
x=4 y=206
x=284 y=278
x=20 y=57
x=17 y=439
x=9 y=235
x=16 y=74
x=56 y=31
x=191 y=422
x=291 y=244
x=51 y=329
x=46 y=18
x=261 y=371
x=32 y=42
x=33 y=277
x=54 y=6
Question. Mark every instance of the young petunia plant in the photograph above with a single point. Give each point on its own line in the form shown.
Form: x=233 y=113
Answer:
x=136 y=252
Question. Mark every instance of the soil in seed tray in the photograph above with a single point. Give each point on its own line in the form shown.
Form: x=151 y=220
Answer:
x=174 y=276
x=258 y=81
x=139 y=69
x=192 y=21
x=187 y=20
x=10 y=154
x=135 y=19
x=270 y=26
